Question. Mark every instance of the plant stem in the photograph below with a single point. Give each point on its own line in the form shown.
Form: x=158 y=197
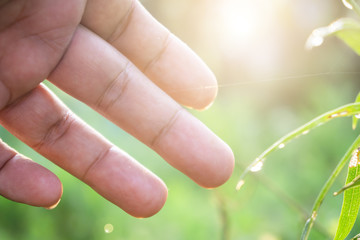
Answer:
x=224 y=217
x=310 y=222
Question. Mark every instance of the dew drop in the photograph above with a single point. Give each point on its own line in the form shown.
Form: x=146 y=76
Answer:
x=305 y=132
x=334 y=115
x=240 y=184
x=257 y=166
x=314 y=215
x=354 y=161
x=347 y=4
x=108 y=228
x=281 y=146
x=344 y=113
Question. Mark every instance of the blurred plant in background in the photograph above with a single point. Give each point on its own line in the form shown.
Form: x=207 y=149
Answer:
x=268 y=86
x=348 y=30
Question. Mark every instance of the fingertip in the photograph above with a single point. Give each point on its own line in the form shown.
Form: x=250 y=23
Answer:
x=46 y=190
x=196 y=84
x=220 y=170
x=152 y=203
x=126 y=183
x=51 y=207
x=183 y=75
x=25 y=181
x=54 y=194
x=195 y=150
x=207 y=91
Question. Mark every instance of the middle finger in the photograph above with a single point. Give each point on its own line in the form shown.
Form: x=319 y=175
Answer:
x=163 y=58
x=100 y=76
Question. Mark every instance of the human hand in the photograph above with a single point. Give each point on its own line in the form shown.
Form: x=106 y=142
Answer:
x=115 y=57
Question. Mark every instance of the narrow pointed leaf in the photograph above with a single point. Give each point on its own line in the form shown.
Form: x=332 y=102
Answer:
x=319 y=200
x=351 y=202
x=347 y=29
x=344 y=111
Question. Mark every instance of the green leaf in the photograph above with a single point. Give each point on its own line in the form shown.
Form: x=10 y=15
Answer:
x=347 y=29
x=344 y=111
x=320 y=199
x=351 y=202
x=356 y=117
x=256 y=165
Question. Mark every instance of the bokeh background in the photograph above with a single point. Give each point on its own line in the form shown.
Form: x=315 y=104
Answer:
x=269 y=85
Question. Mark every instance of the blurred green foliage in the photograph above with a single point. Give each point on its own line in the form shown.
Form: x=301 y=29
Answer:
x=269 y=85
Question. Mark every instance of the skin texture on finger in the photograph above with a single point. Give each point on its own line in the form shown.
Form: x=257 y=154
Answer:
x=34 y=35
x=95 y=73
x=56 y=133
x=167 y=61
x=3 y=2
x=25 y=181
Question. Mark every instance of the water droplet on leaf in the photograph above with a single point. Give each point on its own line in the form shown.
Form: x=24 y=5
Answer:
x=334 y=115
x=281 y=146
x=257 y=166
x=108 y=228
x=344 y=113
x=314 y=215
x=305 y=132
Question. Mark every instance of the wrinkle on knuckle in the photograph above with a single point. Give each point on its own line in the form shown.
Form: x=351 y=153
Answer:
x=165 y=129
x=123 y=24
x=5 y=96
x=4 y=162
x=100 y=157
x=56 y=39
x=162 y=50
x=114 y=90
x=56 y=131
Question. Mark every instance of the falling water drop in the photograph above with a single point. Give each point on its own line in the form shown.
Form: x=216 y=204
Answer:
x=257 y=166
x=347 y=4
x=108 y=228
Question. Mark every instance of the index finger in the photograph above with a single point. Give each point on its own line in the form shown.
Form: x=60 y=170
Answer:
x=161 y=56
x=96 y=74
